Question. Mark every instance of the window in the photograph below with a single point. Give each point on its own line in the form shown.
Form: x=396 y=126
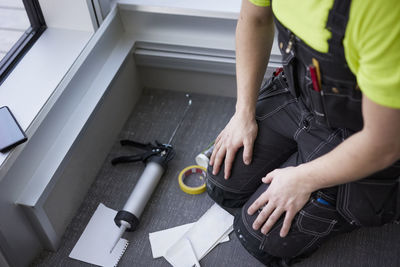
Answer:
x=21 y=23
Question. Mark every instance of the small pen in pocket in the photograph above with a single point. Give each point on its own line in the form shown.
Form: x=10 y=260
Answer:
x=314 y=78
x=318 y=71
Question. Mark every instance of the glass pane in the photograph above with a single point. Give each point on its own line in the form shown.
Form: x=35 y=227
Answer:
x=13 y=23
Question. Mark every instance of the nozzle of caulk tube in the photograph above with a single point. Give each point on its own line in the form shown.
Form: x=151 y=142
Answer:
x=122 y=228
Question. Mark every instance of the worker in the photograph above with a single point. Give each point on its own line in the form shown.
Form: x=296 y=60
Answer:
x=315 y=152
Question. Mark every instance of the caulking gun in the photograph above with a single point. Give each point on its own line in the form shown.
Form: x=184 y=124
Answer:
x=156 y=158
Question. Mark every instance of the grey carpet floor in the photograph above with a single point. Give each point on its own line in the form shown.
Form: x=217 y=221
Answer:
x=155 y=117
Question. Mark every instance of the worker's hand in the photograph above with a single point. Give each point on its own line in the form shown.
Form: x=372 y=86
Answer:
x=287 y=192
x=240 y=131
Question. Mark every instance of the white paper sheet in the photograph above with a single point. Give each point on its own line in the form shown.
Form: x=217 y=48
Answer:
x=197 y=263
x=184 y=255
x=97 y=239
x=215 y=224
x=224 y=238
x=161 y=241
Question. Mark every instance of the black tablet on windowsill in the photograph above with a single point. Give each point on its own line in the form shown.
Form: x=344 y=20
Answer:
x=11 y=133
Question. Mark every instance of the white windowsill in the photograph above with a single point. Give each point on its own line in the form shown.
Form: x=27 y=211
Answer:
x=207 y=8
x=30 y=85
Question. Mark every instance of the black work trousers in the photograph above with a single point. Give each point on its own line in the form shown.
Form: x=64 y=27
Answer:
x=287 y=136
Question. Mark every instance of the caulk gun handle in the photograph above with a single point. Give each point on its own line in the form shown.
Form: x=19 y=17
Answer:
x=142 y=192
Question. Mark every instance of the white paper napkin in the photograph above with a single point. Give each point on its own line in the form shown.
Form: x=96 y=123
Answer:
x=204 y=235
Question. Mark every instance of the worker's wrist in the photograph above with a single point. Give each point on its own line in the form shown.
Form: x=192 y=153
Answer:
x=245 y=111
x=308 y=180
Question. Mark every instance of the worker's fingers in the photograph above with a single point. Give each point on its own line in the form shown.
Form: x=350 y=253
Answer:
x=217 y=145
x=268 y=178
x=229 y=158
x=248 y=150
x=215 y=150
x=272 y=219
x=258 y=203
x=287 y=223
x=218 y=159
x=218 y=138
x=263 y=216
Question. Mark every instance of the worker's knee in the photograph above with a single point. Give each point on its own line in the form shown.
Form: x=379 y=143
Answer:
x=223 y=195
x=252 y=240
x=312 y=226
x=266 y=248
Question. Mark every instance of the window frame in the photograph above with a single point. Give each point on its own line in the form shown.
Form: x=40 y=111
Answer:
x=28 y=38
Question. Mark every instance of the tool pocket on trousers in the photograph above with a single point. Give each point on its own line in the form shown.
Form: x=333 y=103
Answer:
x=288 y=62
x=316 y=101
x=273 y=86
x=310 y=226
x=342 y=104
x=369 y=202
x=273 y=96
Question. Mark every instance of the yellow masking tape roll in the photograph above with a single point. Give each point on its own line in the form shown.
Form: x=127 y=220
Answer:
x=189 y=171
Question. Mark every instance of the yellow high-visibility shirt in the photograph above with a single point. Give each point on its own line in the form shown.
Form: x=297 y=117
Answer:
x=371 y=43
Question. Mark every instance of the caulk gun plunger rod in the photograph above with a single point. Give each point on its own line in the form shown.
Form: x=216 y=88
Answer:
x=182 y=119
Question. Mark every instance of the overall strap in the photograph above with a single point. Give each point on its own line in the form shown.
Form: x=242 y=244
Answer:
x=336 y=24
